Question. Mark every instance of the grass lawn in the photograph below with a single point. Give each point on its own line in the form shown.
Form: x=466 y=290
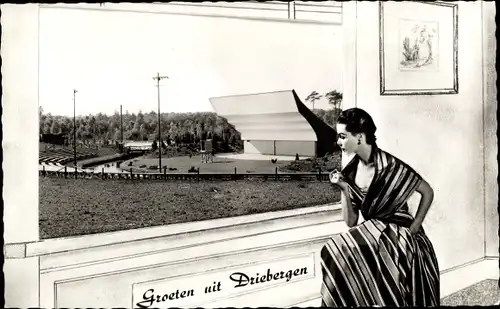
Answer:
x=220 y=165
x=224 y=165
x=70 y=207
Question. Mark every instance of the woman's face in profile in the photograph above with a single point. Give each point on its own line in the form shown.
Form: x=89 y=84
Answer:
x=346 y=141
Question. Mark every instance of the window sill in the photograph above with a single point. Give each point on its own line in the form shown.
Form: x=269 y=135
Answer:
x=195 y=232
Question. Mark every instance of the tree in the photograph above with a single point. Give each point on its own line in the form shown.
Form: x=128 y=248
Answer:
x=314 y=96
x=117 y=135
x=176 y=127
x=92 y=124
x=335 y=98
x=320 y=113
x=330 y=117
x=143 y=133
x=55 y=128
x=63 y=126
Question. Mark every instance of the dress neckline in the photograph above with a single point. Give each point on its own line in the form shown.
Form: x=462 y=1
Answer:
x=350 y=171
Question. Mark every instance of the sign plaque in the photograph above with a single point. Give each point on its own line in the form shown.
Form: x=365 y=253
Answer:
x=202 y=288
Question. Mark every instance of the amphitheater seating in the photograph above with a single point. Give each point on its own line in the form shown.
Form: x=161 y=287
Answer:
x=64 y=155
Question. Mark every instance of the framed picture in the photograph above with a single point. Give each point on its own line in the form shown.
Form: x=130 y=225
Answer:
x=418 y=48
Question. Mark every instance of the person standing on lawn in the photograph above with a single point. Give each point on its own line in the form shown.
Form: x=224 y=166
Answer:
x=387 y=260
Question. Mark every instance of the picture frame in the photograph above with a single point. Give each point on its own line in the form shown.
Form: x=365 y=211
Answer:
x=418 y=48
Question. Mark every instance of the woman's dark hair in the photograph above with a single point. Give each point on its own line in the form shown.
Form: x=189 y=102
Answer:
x=359 y=121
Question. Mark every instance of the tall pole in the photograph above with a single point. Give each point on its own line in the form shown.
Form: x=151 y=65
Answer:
x=74 y=129
x=158 y=78
x=121 y=124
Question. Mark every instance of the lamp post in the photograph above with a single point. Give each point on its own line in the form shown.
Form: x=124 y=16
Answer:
x=74 y=128
x=158 y=78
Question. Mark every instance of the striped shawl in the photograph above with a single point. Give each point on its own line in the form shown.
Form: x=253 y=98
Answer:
x=379 y=262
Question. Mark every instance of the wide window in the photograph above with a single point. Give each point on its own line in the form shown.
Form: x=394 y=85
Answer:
x=98 y=66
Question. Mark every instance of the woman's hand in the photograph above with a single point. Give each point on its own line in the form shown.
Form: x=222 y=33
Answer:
x=337 y=178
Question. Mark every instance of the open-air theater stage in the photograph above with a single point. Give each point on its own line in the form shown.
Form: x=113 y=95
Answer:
x=276 y=124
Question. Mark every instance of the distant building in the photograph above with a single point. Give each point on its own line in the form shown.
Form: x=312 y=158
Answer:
x=139 y=145
x=276 y=123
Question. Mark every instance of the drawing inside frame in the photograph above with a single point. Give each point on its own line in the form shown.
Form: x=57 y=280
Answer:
x=419 y=48
x=421 y=56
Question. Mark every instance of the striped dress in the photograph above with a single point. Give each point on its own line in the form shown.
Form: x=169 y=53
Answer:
x=379 y=262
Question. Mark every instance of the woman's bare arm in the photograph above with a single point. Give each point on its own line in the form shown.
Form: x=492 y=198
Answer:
x=349 y=213
x=427 y=194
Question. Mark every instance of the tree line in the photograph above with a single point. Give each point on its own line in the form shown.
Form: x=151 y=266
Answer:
x=180 y=128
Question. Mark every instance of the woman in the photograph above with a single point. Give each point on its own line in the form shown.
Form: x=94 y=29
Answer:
x=387 y=259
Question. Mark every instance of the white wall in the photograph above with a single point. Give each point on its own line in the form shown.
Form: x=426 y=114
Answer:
x=290 y=148
x=276 y=126
x=258 y=147
x=490 y=121
x=284 y=148
x=441 y=136
x=20 y=150
x=105 y=270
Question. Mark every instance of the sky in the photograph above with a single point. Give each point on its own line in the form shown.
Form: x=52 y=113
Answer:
x=110 y=57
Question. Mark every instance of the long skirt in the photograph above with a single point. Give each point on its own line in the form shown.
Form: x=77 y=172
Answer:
x=379 y=264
